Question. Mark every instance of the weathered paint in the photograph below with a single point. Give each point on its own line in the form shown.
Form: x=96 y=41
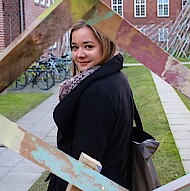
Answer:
x=100 y=16
x=177 y=75
x=140 y=47
x=36 y=39
x=91 y=163
x=52 y=159
x=80 y=8
x=9 y=134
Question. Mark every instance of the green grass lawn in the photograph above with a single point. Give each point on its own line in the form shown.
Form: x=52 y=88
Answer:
x=166 y=159
x=131 y=60
x=14 y=105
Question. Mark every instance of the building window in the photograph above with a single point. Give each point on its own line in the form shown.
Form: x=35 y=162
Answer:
x=48 y=3
x=183 y=3
x=163 y=8
x=117 y=6
x=140 y=8
x=36 y=2
x=163 y=34
x=43 y=3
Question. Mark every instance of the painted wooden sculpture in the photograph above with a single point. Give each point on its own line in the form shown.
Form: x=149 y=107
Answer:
x=42 y=34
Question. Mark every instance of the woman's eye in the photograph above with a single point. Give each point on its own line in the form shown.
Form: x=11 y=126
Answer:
x=74 y=48
x=89 y=46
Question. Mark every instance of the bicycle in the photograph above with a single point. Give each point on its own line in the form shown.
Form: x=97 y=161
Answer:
x=42 y=78
x=62 y=64
x=20 y=82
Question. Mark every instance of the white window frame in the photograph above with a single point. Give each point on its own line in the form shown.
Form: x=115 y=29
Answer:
x=163 y=34
x=48 y=3
x=116 y=5
x=42 y=3
x=36 y=2
x=183 y=2
x=141 y=5
x=163 y=4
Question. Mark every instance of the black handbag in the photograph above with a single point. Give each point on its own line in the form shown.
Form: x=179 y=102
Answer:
x=144 y=175
x=138 y=167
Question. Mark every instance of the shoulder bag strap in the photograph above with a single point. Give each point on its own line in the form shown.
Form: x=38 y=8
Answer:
x=137 y=118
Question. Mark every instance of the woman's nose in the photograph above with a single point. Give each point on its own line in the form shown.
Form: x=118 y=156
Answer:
x=81 y=52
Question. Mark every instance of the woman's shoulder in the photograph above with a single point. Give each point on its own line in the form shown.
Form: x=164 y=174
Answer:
x=111 y=84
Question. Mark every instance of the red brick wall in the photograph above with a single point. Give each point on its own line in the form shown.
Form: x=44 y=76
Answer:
x=32 y=10
x=151 y=12
x=12 y=27
x=108 y=2
x=2 y=35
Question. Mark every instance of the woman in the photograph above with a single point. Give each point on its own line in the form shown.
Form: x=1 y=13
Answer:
x=95 y=112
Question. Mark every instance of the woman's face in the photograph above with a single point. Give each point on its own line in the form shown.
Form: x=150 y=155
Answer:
x=86 y=49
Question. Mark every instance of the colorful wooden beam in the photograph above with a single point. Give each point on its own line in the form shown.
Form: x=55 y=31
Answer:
x=39 y=36
x=91 y=163
x=127 y=37
x=34 y=41
x=52 y=159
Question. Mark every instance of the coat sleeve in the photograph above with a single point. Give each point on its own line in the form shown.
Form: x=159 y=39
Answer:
x=94 y=123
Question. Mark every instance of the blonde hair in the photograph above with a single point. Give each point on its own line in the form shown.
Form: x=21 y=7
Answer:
x=108 y=46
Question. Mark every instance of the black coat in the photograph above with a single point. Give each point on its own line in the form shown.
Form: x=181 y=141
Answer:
x=96 y=118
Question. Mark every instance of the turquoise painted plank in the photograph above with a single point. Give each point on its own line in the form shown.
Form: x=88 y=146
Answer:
x=52 y=159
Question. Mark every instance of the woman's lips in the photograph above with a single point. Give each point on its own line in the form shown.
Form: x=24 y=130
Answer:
x=83 y=63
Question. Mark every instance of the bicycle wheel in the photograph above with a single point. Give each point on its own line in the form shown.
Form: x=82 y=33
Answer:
x=59 y=74
x=21 y=82
x=44 y=80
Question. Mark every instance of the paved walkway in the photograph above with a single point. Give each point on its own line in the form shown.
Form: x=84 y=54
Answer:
x=178 y=118
x=19 y=174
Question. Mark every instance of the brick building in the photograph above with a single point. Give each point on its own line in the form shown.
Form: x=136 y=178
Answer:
x=141 y=12
x=18 y=14
x=10 y=21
